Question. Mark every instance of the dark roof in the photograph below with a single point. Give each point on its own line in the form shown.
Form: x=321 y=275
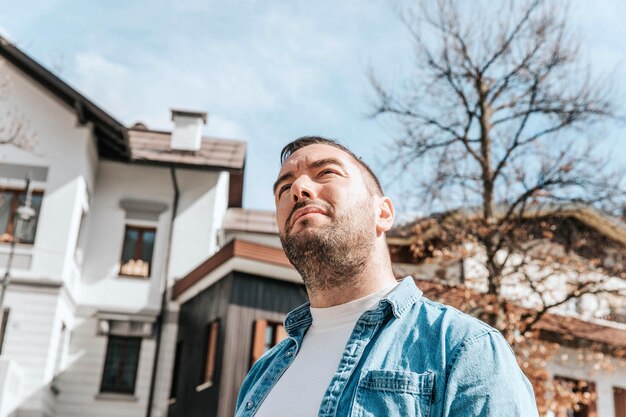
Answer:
x=109 y=132
x=610 y=226
x=151 y=146
x=565 y=329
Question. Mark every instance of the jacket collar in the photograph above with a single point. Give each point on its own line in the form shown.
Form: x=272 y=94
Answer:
x=399 y=301
x=403 y=296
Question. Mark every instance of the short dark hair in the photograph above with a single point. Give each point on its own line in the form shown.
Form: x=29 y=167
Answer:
x=303 y=141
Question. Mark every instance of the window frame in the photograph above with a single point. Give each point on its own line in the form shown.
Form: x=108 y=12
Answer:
x=209 y=361
x=15 y=203
x=118 y=389
x=259 y=329
x=138 y=248
x=619 y=401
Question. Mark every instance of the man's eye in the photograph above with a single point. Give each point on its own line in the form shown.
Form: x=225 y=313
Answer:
x=327 y=171
x=283 y=189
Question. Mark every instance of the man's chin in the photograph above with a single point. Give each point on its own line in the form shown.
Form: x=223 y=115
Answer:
x=305 y=225
x=305 y=230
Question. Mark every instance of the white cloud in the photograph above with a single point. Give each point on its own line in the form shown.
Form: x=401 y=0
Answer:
x=101 y=80
x=93 y=68
x=219 y=126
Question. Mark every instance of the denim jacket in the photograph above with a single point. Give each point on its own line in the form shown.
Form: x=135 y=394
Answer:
x=408 y=357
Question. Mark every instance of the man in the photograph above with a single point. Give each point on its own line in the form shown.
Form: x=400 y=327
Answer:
x=366 y=345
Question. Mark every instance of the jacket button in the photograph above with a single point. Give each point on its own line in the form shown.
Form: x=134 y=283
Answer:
x=249 y=404
x=289 y=353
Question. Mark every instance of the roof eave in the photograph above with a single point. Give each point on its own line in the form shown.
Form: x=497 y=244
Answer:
x=110 y=133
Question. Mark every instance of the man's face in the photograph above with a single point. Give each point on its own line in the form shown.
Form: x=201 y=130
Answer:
x=325 y=214
x=317 y=186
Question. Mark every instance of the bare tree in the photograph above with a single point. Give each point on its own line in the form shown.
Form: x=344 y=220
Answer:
x=14 y=131
x=502 y=112
x=14 y=125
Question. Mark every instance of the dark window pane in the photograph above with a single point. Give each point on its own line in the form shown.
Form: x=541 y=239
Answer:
x=130 y=243
x=269 y=337
x=27 y=233
x=120 y=366
x=147 y=246
x=578 y=387
x=6 y=201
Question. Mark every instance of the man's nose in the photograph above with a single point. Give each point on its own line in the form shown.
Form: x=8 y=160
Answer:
x=301 y=188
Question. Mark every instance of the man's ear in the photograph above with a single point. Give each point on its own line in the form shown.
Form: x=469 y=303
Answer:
x=385 y=214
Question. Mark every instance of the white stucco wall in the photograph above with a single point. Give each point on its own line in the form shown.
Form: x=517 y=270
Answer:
x=45 y=276
x=28 y=341
x=67 y=150
x=194 y=236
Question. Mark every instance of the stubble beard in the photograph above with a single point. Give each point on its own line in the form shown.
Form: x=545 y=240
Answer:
x=333 y=255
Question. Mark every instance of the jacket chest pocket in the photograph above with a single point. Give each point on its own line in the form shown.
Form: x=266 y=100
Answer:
x=393 y=393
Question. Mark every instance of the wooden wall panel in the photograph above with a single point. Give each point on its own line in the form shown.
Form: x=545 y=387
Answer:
x=193 y=399
x=252 y=298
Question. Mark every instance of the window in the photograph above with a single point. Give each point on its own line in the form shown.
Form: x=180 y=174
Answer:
x=3 y=326
x=120 y=364
x=137 y=251
x=175 y=375
x=210 y=351
x=10 y=200
x=267 y=334
x=619 y=399
x=586 y=408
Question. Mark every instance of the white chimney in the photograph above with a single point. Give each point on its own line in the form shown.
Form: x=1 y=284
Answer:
x=187 y=134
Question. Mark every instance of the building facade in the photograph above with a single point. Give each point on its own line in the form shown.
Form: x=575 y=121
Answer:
x=121 y=213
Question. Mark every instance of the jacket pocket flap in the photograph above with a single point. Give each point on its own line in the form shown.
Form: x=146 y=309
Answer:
x=398 y=381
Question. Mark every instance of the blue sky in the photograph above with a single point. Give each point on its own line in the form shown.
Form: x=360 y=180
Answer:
x=266 y=72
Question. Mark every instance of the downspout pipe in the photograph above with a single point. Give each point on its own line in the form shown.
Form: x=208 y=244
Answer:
x=160 y=321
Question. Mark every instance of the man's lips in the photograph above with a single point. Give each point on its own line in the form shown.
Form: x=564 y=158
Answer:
x=306 y=210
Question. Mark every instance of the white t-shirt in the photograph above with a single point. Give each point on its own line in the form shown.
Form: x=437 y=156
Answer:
x=300 y=390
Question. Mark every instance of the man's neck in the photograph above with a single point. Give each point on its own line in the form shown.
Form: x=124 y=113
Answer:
x=369 y=281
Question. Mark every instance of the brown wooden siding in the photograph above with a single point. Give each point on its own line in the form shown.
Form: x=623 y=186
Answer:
x=252 y=298
x=235 y=248
x=195 y=314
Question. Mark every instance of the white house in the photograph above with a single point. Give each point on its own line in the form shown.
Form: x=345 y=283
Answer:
x=591 y=329
x=121 y=213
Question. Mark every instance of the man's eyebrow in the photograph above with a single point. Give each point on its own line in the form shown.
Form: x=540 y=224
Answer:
x=317 y=164
x=327 y=161
x=281 y=179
